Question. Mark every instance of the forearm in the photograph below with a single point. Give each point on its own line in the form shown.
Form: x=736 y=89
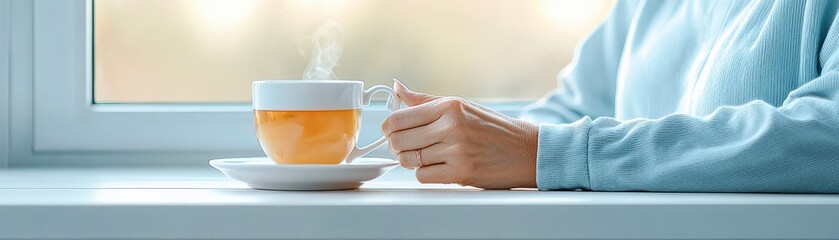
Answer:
x=751 y=148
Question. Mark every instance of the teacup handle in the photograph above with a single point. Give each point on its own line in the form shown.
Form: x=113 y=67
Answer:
x=393 y=104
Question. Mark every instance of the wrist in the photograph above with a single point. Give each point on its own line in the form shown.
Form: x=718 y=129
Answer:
x=530 y=141
x=562 y=156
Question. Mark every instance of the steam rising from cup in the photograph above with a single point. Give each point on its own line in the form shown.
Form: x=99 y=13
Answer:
x=327 y=47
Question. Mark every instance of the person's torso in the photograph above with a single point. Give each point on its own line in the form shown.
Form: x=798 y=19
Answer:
x=693 y=57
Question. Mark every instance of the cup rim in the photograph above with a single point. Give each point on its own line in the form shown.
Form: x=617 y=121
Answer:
x=300 y=81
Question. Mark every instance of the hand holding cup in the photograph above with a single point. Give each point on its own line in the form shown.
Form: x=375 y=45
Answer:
x=452 y=140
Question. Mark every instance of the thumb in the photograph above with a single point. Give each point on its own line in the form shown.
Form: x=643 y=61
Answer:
x=409 y=97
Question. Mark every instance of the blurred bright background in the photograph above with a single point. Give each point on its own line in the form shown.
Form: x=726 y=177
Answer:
x=196 y=51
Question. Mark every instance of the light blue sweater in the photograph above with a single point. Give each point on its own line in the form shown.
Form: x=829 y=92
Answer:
x=698 y=96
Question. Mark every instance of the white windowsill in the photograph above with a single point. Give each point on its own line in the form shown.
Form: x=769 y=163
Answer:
x=199 y=203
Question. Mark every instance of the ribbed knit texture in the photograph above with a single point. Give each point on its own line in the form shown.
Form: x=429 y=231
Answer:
x=698 y=96
x=574 y=174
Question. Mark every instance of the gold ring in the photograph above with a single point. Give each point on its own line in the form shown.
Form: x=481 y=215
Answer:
x=419 y=157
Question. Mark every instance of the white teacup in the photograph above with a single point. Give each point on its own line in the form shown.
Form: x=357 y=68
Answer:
x=313 y=121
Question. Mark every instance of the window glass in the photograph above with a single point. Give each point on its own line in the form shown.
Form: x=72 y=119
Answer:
x=193 y=51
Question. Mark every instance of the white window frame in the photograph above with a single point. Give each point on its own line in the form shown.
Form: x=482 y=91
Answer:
x=55 y=123
x=5 y=56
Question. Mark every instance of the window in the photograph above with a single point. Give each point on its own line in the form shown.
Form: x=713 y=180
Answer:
x=209 y=51
x=159 y=81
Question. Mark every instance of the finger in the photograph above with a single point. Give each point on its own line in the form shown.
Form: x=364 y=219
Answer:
x=417 y=138
x=434 y=154
x=412 y=117
x=409 y=97
x=438 y=173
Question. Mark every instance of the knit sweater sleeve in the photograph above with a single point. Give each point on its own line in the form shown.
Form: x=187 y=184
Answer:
x=754 y=147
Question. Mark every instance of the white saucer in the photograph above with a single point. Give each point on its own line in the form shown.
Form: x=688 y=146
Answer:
x=262 y=173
